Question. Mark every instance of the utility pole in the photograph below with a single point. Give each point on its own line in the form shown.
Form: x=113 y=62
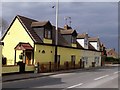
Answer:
x=57 y=7
x=56 y=38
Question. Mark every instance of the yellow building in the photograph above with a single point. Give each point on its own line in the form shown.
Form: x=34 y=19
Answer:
x=31 y=41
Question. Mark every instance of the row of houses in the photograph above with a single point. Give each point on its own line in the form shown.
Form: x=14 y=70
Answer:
x=112 y=53
x=31 y=41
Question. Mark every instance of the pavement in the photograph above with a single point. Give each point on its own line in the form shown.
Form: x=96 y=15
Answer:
x=14 y=77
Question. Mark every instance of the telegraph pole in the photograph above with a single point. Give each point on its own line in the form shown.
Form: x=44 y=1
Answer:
x=56 y=38
x=57 y=7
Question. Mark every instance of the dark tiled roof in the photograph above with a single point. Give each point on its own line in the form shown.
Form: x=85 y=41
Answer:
x=93 y=39
x=61 y=40
x=81 y=35
x=29 y=23
x=39 y=24
x=70 y=31
x=26 y=22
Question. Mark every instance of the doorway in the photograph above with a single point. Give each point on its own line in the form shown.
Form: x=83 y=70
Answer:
x=28 y=58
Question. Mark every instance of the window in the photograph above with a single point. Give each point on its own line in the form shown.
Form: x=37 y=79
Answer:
x=39 y=31
x=47 y=34
x=97 y=45
x=73 y=40
x=85 y=59
x=85 y=41
x=96 y=60
x=73 y=58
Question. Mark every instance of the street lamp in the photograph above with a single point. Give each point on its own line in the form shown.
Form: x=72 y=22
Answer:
x=57 y=7
x=56 y=35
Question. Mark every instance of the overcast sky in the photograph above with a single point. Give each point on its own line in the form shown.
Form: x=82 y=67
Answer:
x=95 y=18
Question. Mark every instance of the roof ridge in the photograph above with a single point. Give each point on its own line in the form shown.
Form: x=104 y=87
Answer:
x=20 y=16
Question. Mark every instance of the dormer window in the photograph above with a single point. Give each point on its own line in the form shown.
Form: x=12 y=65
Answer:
x=69 y=35
x=95 y=42
x=73 y=39
x=39 y=31
x=97 y=45
x=82 y=39
x=43 y=29
x=47 y=34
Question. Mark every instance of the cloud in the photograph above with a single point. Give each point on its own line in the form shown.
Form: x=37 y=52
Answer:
x=60 y=1
x=95 y=18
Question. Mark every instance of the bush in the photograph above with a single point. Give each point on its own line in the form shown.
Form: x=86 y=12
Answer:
x=111 y=59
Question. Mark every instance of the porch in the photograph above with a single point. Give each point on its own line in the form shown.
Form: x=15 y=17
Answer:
x=24 y=53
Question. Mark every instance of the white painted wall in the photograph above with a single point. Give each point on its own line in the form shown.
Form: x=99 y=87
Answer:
x=91 y=57
x=94 y=44
x=81 y=42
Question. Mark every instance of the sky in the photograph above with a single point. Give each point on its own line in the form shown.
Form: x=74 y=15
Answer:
x=98 y=19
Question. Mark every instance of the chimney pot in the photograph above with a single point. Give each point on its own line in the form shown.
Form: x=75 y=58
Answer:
x=66 y=27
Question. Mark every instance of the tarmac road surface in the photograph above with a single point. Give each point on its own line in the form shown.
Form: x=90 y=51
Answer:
x=96 y=78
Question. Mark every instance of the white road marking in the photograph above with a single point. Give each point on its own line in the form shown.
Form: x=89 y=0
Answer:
x=65 y=74
x=75 y=85
x=116 y=72
x=101 y=77
x=113 y=78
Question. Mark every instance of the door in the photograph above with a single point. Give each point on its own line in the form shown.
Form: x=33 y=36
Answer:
x=58 y=61
x=82 y=62
x=28 y=57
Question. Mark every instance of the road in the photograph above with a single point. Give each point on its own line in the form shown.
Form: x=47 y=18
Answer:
x=96 y=78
